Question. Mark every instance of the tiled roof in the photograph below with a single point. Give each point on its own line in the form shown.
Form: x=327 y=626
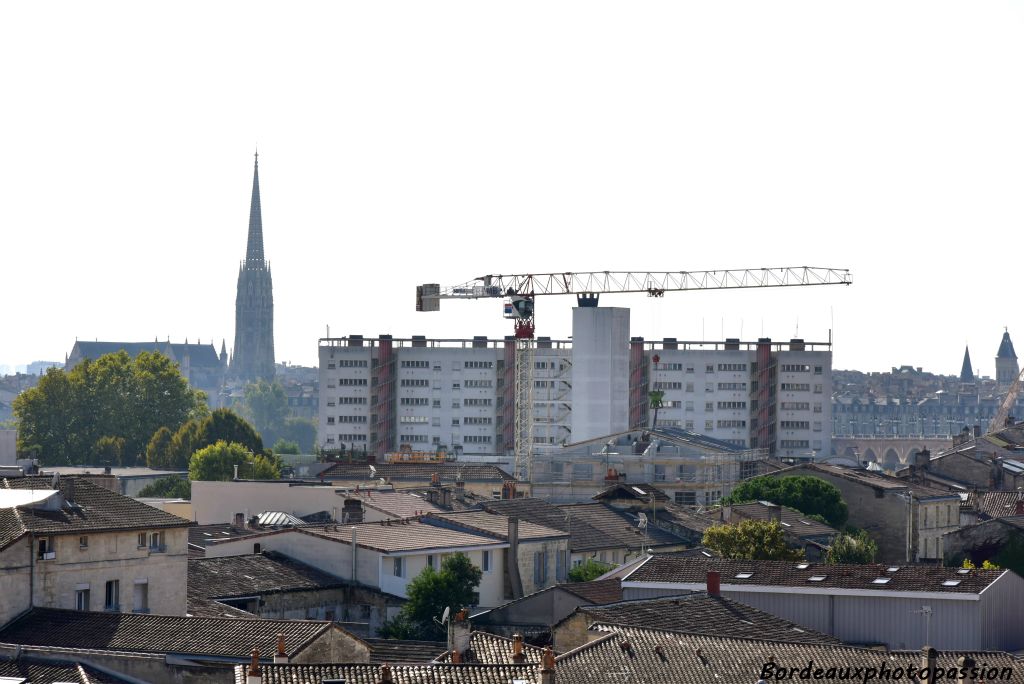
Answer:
x=34 y=670
x=201 y=535
x=211 y=608
x=159 y=633
x=400 y=674
x=613 y=528
x=793 y=521
x=998 y=504
x=91 y=509
x=419 y=472
x=868 y=479
x=492 y=649
x=266 y=573
x=640 y=655
x=682 y=517
x=395 y=651
x=702 y=614
x=404 y=535
x=494 y=524
x=597 y=592
x=930 y=578
x=641 y=491
x=199 y=354
x=537 y=511
x=398 y=504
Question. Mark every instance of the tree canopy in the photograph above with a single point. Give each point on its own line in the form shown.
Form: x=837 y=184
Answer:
x=224 y=424
x=751 y=540
x=809 y=495
x=430 y=592
x=218 y=461
x=857 y=548
x=588 y=570
x=283 y=447
x=168 y=488
x=115 y=398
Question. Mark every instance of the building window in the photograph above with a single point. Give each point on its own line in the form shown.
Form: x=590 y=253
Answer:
x=111 y=598
x=486 y=561
x=83 y=542
x=47 y=550
x=143 y=540
x=686 y=498
x=397 y=569
x=141 y=599
x=156 y=542
x=540 y=567
x=659 y=473
x=81 y=599
x=430 y=560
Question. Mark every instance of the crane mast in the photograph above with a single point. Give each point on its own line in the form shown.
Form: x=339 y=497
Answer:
x=520 y=291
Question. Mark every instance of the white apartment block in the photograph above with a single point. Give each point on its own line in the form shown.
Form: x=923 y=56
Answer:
x=380 y=393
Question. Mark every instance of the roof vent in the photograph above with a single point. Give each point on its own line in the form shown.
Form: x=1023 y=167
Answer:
x=817 y=578
x=881 y=580
x=951 y=583
x=744 y=575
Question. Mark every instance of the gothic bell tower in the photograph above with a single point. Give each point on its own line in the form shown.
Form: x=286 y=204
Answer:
x=253 y=355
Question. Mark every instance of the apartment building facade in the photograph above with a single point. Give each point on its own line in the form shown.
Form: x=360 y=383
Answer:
x=380 y=393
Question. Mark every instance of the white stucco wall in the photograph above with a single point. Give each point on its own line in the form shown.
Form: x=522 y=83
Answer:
x=600 y=371
x=217 y=502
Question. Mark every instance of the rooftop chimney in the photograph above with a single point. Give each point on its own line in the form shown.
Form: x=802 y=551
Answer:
x=461 y=633
x=281 y=657
x=517 y=649
x=1019 y=508
x=511 y=564
x=964 y=665
x=239 y=520
x=385 y=674
x=253 y=674
x=929 y=663
x=435 y=480
x=714 y=583
x=547 y=671
x=775 y=513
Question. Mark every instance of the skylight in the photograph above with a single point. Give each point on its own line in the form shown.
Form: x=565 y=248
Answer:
x=817 y=578
x=785 y=524
x=963 y=571
x=639 y=491
x=893 y=568
x=744 y=575
x=881 y=580
x=706 y=554
x=951 y=583
x=802 y=566
x=805 y=522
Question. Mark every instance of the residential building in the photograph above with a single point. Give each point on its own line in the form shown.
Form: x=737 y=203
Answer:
x=68 y=543
x=898 y=606
x=129 y=481
x=986 y=540
x=800 y=531
x=533 y=615
x=906 y=520
x=384 y=556
x=477 y=673
x=37 y=669
x=481 y=479
x=689 y=468
x=380 y=393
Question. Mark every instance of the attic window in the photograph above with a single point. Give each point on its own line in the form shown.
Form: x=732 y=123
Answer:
x=639 y=491
x=817 y=578
x=805 y=522
x=951 y=583
x=892 y=568
x=785 y=524
x=744 y=575
x=881 y=580
x=802 y=566
x=706 y=554
x=963 y=571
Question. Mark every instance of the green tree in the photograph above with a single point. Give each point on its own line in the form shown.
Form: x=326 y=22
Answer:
x=226 y=425
x=266 y=405
x=168 y=488
x=158 y=451
x=985 y=565
x=108 y=451
x=809 y=495
x=430 y=592
x=588 y=570
x=302 y=431
x=857 y=548
x=283 y=447
x=183 y=444
x=218 y=461
x=751 y=540
x=64 y=417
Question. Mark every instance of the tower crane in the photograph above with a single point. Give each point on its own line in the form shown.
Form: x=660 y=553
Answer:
x=519 y=292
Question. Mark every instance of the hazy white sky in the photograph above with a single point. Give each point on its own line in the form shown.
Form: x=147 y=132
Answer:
x=411 y=142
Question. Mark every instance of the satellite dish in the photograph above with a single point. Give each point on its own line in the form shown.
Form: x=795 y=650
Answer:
x=444 y=616
x=642 y=521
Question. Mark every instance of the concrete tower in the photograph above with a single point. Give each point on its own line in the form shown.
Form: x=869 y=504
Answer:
x=253 y=355
x=1006 y=363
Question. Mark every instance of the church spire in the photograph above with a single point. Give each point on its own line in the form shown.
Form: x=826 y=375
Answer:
x=967 y=372
x=254 y=249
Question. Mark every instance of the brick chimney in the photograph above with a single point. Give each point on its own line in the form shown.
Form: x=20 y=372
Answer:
x=281 y=657
x=385 y=674
x=964 y=665
x=547 y=671
x=461 y=633
x=714 y=583
x=512 y=558
x=239 y=521
x=1019 y=507
x=929 y=662
x=775 y=513
x=517 y=649
x=253 y=675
